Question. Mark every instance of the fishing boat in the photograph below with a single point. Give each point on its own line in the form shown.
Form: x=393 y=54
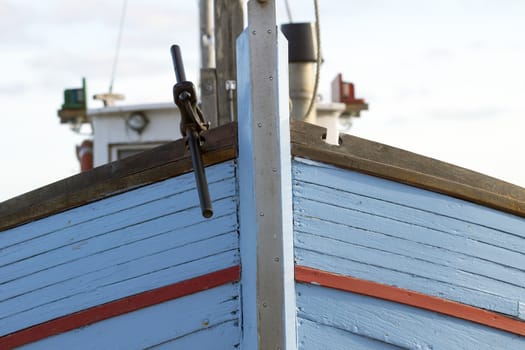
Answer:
x=310 y=245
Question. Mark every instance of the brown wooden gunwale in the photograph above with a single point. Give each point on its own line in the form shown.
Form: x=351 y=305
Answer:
x=160 y=163
x=395 y=164
x=353 y=153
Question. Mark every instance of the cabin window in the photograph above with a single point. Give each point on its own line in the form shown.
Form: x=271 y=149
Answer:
x=121 y=151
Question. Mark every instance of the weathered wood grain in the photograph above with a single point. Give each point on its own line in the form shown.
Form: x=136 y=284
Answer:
x=406 y=280
x=402 y=166
x=410 y=196
x=225 y=335
x=116 y=247
x=171 y=212
x=407 y=297
x=372 y=222
x=120 y=307
x=145 y=168
x=392 y=233
x=315 y=336
x=109 y=273
x=395 y=324
x=426 y=268
x=212 y=314
x=313 y=230
x=111 y=290
x=65 y=264
x=116 y=205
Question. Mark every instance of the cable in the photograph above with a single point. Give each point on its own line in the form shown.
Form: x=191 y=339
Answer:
x=117 y=49
x=288 y=11
x=318 y=68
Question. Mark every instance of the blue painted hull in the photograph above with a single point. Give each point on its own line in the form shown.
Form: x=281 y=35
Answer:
x=392 y=234
x=122 y=247
x=105 y=255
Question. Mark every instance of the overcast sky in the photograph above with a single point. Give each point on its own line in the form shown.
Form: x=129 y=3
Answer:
x=443 y=78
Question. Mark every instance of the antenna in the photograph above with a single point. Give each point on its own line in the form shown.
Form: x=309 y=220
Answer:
x=288 y=11
x=109 y=98
x=117 y=49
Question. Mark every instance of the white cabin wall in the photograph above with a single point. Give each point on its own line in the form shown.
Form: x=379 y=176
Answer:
x=109 y=126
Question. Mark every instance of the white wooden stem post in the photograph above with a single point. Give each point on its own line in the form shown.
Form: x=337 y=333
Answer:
x=266 y=227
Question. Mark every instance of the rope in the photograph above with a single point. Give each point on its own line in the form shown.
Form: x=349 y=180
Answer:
x=288 y=11
x=117 y=49
x=318 y=64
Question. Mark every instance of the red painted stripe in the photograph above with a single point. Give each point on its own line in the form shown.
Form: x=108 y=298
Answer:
x=403 y=296
x=119 y=307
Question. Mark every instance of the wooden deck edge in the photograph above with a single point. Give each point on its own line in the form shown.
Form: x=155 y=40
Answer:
x=119 y=307
x=458 y=310
x=398 y=165
x=151 y=166
x=173 y=159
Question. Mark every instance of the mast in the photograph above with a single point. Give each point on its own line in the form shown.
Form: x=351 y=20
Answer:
x=206 y=34
x=228 y=26
x=221 y=22
x=208 y=76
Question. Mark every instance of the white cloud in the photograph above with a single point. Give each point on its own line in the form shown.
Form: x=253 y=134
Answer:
x=442 y=78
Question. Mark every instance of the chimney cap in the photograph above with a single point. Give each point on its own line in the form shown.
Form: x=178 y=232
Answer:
x=302 y=45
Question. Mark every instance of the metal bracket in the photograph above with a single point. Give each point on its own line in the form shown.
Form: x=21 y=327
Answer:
x=192 y=124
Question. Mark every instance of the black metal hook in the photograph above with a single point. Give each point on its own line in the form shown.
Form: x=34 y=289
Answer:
x=192 y=124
